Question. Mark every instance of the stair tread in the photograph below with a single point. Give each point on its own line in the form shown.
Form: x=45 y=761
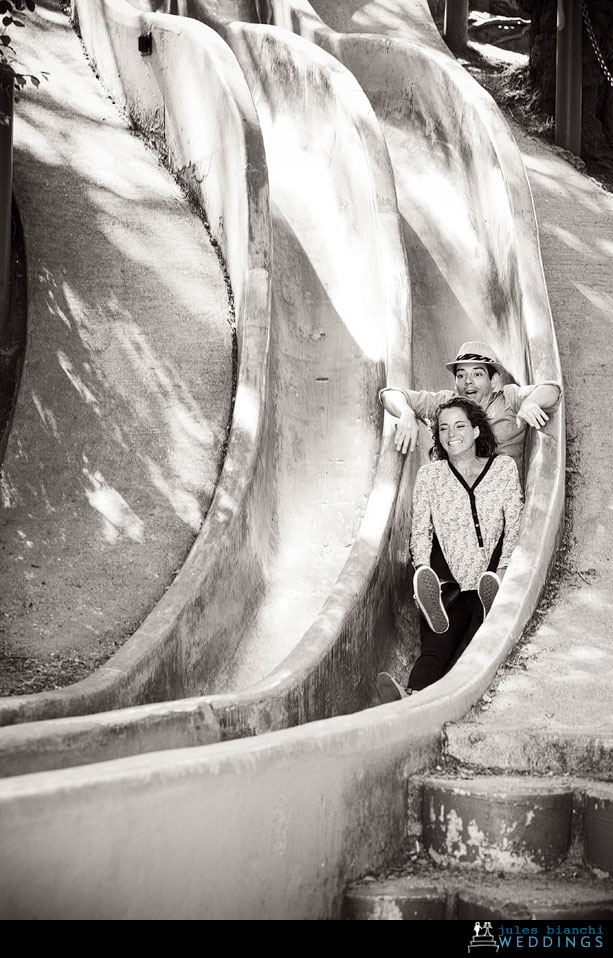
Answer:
x=540 y=889
x=578 y=751
x=499 y=786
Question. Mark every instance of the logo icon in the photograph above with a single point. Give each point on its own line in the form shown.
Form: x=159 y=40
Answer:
x=483 y=937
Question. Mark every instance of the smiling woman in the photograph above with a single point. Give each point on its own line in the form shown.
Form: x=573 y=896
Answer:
x=466 y=514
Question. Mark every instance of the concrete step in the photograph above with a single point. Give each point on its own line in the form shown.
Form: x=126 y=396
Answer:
x=514 y=824
x=531 y=750
x=598 y=828
x=458 y=895
x=497 y=823
x=497 y=847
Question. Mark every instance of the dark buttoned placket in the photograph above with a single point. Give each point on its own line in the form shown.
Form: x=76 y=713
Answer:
x=471 y=494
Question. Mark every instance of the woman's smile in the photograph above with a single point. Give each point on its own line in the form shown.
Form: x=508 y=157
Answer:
x=456 y=434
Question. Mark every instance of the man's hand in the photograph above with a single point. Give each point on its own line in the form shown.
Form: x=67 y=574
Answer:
x=407 y=432
x=531 y=413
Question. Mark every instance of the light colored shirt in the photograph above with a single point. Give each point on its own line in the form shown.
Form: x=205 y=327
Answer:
x=468 y=520
x=501 y=412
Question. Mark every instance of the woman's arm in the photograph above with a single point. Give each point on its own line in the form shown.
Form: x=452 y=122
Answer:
x=421 y=521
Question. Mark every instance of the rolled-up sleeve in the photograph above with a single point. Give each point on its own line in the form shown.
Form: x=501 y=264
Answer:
x=515 y=395
x=423 y=403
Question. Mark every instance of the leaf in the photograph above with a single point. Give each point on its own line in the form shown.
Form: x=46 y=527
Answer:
x=18 y=23
x=30 y=5
x=7 y=21
x=5 y=40
x=35 y=81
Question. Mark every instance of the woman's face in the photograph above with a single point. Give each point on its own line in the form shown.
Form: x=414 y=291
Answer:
x=456 y=434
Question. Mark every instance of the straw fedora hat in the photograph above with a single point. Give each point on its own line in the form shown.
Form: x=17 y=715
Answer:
x=478 y=353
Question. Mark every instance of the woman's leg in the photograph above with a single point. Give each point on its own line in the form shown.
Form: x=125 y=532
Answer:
x=437 y=650
x=449 y=587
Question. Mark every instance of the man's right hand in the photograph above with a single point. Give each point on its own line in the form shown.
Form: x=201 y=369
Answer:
x=407 y=432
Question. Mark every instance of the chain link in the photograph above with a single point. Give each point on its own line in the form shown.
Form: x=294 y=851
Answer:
x=597 y=51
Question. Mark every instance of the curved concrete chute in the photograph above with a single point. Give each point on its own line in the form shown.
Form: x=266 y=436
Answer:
x=320 y=474
x=472 y=242
x=340 y=319
x=459 y=136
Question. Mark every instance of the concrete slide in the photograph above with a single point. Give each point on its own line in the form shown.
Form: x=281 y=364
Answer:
x=288 y=584
x=272 y=827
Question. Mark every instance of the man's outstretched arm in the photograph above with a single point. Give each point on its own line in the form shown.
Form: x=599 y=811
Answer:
x=396 y=404
x=532 y=410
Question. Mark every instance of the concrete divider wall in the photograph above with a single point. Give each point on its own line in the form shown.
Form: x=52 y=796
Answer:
x=402 y=18
x=260 y=829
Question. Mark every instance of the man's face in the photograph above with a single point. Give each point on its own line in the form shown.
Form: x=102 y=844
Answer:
x=473 y=381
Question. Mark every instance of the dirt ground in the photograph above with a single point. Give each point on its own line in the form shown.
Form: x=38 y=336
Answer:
x=505 y=77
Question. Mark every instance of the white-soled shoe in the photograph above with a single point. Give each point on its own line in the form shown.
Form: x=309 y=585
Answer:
x=488 y=586
x=427 y=591
x=388 y=689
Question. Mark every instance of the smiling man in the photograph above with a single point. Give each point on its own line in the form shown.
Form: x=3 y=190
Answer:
x=511 y=409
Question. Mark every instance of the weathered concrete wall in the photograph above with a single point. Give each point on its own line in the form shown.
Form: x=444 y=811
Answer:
x=264 y=829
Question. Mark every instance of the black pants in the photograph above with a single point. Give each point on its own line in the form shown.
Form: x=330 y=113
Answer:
x=465 y=612
x=439 y=649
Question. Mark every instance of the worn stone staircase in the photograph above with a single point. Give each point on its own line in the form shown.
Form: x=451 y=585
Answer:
x=483 y=846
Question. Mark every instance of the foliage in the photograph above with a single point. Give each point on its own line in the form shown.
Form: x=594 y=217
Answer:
x=11 y=12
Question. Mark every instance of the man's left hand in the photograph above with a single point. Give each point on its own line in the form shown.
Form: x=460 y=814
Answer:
x=531 y=413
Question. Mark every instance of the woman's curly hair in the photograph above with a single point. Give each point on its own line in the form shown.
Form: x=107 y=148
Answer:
x=485 y=445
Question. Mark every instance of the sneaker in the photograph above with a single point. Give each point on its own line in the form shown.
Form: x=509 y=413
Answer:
x=388 y=689
x=427 y=590
x=489 y=583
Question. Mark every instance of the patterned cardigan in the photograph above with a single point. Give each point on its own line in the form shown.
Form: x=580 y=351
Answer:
x=468 y=520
